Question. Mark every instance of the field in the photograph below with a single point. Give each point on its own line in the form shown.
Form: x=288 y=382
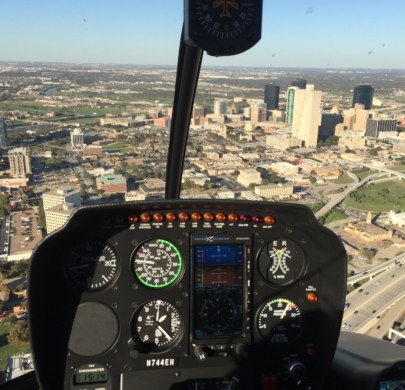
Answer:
x=7 y=349
x=344 y=179
x=121 y=146
x=386 y=196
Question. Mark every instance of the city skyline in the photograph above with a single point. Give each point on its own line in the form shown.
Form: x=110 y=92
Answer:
x=104 y=32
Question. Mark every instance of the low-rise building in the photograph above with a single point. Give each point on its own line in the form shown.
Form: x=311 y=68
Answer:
x=249 y=195
x=92 y=150
x=282 y=141
x=132 y=196
x=284 y=168
x=153 y=187
x=112 y=184
x=272 y=190
x=397 y=218
x=249 y=176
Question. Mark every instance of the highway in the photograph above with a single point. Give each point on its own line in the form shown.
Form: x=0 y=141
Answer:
x=401 y=175
x=373 y=298
x=375 y=270
x=343 y=195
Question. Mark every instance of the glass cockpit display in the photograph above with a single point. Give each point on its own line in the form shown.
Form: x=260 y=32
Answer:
x=218 y=290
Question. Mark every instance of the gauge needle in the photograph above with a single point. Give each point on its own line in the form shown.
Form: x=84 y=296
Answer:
x=80 y=266
x=164 y=332
x=145 y=261
x=285 y=311
x=157 y=314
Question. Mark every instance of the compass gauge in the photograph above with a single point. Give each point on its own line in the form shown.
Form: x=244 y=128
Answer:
x=223 y=27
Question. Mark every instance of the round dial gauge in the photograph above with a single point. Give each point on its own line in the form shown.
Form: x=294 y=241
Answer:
x=156 y=326
x=157 y=263
x=218 y=313
x=281 y=261
x=92 y=265
x=279 y=321
x=225 y=18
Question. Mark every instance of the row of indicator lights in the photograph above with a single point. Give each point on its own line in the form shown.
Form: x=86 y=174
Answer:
x=208 y=217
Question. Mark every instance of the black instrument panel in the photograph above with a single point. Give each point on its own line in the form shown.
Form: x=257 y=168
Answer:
x=186 y=294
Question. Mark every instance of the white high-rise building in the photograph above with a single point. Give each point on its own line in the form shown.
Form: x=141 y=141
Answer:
x=20 y=161
x=77 y=137
x=221 y=107
x=307 y=115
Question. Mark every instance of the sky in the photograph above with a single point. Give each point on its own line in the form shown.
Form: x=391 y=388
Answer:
x=300 y=33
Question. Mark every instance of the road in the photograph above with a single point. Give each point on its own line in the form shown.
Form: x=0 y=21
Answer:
x=374 y=270
x=401 y=175
x=343 y=195
x=373 y=299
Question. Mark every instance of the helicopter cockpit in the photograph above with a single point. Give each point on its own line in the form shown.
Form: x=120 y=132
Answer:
x=197 y=294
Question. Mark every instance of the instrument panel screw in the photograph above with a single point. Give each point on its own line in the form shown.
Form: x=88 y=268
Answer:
x=179 y=346
x=72 y=367
x=108 y=365
x=68 y=353
x=185 y=294
x=178 y=373
x=261 y=241
x=184 y=354
x=114 y=287
x=179 y=242
x=301 y=300
x=289 y=230
x=185 y=234
x=115 y=350
x=126 y=367
x=178 y=303
x=114 y=305
x=257 y=234
x=135 y=286
x=303 y=242
x=134 y=305
x=179 y=285
x=260 y=284
x=302 y=284
x=134 y=242
x=115 y=243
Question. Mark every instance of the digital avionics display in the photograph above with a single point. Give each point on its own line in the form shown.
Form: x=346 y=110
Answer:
x=218 y=291
x=392 y=385
x=91 y=377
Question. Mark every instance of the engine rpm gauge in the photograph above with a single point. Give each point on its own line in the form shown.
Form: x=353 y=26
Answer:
x=157 y=263
x=279 y=321
x=156 y=326
x=281 y=261
x=92 y=265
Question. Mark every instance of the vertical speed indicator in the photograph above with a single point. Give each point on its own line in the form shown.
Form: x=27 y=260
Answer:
x=157 y=263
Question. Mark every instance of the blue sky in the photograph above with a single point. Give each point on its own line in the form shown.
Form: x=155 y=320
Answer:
x=147 y=32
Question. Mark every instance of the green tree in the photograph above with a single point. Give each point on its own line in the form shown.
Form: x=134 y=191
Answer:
x=368 y=253
x=18 y=334
x=312 y=180
x=252 y=186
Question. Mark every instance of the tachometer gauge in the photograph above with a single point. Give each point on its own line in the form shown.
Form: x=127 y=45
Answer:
x=157 y=263
x=281 y=261
x=279 y=321
x=156 y=326
x=92 y=265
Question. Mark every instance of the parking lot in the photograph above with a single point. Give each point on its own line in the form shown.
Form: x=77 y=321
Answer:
x=24 y=231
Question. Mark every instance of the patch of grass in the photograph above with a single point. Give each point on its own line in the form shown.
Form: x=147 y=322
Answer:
x=364 y=173
x=344 y=179
x=363 y=281
x=376 y=198
x=335 y=215
x=320 y=192
x=314 y=206
x=7 y=349
x=337 y=191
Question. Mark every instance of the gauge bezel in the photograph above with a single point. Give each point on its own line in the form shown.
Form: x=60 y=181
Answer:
x=301 y=273
x=266 y=339
x=81 y=288
x=141 y=344
x=170 y=284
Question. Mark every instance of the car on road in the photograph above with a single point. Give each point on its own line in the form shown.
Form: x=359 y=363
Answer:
x=373 y=311
x=361 y=290
x=393 y=276
x=379 y=326
x=356 y=311
x=346 y=306
x=367 y=293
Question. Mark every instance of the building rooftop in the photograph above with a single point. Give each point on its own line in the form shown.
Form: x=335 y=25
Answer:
x=112 y=179
x=18 y=365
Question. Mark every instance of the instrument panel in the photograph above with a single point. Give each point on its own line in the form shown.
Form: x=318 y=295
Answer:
x=186 y=295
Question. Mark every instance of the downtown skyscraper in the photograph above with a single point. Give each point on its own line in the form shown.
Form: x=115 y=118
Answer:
x=3 y=133
x=363 y=94
x=271 y=96
x=307 y=115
